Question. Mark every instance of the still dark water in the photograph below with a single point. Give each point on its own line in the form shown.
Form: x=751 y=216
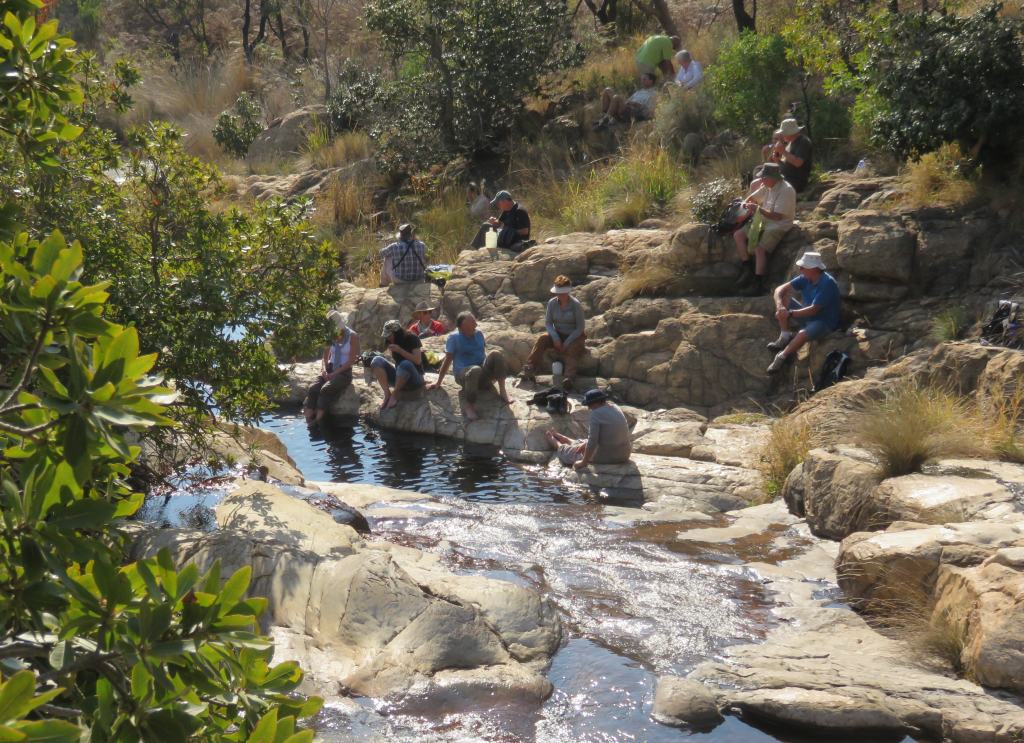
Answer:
x=635 y=601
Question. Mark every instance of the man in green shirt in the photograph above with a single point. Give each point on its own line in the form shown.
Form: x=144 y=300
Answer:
x=656 y=53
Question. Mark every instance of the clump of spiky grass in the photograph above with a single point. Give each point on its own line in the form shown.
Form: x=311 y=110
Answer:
x=789 y=440
x=939 y=177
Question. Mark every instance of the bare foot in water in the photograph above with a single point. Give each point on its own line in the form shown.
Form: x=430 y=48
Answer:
x=471 y=413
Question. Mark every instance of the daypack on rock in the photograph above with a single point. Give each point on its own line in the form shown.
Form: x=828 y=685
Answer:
x=733 y=217
x=833 y=369
x=553 y=399
x=1004 y=327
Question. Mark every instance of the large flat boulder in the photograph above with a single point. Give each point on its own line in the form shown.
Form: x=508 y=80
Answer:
x=373 y=618
x=876 y=245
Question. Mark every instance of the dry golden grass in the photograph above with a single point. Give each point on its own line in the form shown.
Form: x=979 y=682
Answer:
x=789 y=440
x=322 y=151
x=607 y=68
x=1005 y=417
x=174 y=94
x=649 y=278
x=936 y=178
x=913 y=424
x=343 y=203
x=446 y=227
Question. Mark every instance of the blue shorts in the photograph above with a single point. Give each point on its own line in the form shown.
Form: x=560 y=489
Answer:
x=812 y=327
x=406 y=369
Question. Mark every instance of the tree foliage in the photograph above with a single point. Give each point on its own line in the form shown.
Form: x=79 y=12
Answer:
x=937 y=78
x=237 y=129
x=747 y=81
x=465 y=66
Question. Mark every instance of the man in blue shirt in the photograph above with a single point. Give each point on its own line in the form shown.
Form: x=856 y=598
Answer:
x=473 y=368
x=819 y=313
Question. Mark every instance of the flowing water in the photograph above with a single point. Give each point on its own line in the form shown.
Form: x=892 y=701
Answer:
x=635 y=601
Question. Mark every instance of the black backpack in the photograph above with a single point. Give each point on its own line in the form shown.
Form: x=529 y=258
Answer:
x=1003 y=328
x=733 y=218
x=834 y=368
x=553 y=399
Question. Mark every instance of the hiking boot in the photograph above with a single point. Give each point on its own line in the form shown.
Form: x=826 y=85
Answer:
x=781 y=342
x=777 y=363
x=746 y=277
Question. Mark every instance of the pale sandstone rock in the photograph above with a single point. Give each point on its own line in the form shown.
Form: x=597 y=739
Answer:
x=936 y=499
x=285 y=136
x=679 y=701
x=252 y=447
x=383 y=619
x=835 y=493
x=875 y=245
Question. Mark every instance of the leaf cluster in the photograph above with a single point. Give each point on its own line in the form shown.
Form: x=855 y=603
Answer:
x=237 y=129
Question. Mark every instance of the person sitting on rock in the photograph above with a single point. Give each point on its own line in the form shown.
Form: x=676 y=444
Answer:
x=690 y=71
x=405 y=260
x=793 y=151
x=772 y=201
x=336 y=374
x=513 y=226
x=407 y=371
x=477 y=202
x=656 y=54
x=819 y=312
x=464 y=350
x=565 y=325
x=423 y=324
x=608 y=441
x=638 y=107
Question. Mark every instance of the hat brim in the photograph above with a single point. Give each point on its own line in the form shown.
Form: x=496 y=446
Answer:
x=424 y=309
x=809 y=264
x=561 y=290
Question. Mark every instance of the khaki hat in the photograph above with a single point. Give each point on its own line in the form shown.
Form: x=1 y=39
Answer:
x=405 y=231
x=770 y=170
x=423 y=307
x=811 y=260
x=788 y=128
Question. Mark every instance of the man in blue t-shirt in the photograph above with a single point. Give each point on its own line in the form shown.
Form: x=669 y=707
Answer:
x=473 y=367
x=819 y=312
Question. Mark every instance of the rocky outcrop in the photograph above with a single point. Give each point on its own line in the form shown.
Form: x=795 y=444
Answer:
x=679 y=701
x=824 y=670
x=372 y=618
x=284 y=137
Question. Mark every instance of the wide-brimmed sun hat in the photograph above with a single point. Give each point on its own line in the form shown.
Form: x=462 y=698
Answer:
x=390 y=328
x=340 y=319
x=788 y=128
x=594 y=395
x=423 y=307
x=771 y=170
x=811 y=260
x=561 y=290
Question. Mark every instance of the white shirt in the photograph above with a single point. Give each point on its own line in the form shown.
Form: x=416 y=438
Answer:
x=689 y=77
x=645 y=98
x=779 y=198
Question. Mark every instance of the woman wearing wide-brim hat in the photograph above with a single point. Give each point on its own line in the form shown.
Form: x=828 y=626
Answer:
x=565 y=333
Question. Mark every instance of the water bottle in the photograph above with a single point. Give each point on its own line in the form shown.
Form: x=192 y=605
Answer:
x=491 y=239
x=556 y=373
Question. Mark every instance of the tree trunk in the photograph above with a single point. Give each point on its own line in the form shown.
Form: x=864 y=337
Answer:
x=664 y=17
x=744 y=21
x=246 y=25
x=279 y=32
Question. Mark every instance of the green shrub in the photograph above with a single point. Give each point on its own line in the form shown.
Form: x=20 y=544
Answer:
x=747 y=81
x=236 y=130
x=711 y=198
x=949 y=324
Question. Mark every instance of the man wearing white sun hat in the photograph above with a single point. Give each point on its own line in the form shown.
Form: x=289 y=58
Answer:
x=818 y=312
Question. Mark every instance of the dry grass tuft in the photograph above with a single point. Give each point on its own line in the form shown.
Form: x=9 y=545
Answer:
x=949 y=324
x=912 y=424
x=938 y=178
x=343 y=203
x=322 y=151
x=1005 y=417
x=789 y=440
x=607 y=68
x=446 y=227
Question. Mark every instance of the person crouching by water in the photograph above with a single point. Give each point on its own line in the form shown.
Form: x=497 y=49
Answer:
x=608 y=441
x=423 y=324
x=513 y=225
x=407 y=371
x=464 y=350
x=565 y=325
x=336 y=375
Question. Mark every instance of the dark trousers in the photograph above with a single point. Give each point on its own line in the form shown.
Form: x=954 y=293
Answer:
x=322 y=393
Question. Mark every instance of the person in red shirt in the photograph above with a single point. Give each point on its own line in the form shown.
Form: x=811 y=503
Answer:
x=423 y=324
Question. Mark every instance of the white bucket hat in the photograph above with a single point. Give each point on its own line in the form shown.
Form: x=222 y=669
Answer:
x=788 y=128
x=561 y=290
x=811 y=260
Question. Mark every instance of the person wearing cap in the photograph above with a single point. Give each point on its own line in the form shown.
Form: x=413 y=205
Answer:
x=565 y=326
x=690 y=71
x=407 y=371
x=638 y=107
x=608 y=439
x=513 y=225
x=464 y=351
x=336 y=370
x=793 y=150
x=772 y=201
x=656 y=54
x=405 y=260
x=423 y=324
x=819 y=312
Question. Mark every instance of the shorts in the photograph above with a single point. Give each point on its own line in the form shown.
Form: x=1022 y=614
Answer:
x=814 y=329
x=405 y=368
x=570 y=454
x=769 y=240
